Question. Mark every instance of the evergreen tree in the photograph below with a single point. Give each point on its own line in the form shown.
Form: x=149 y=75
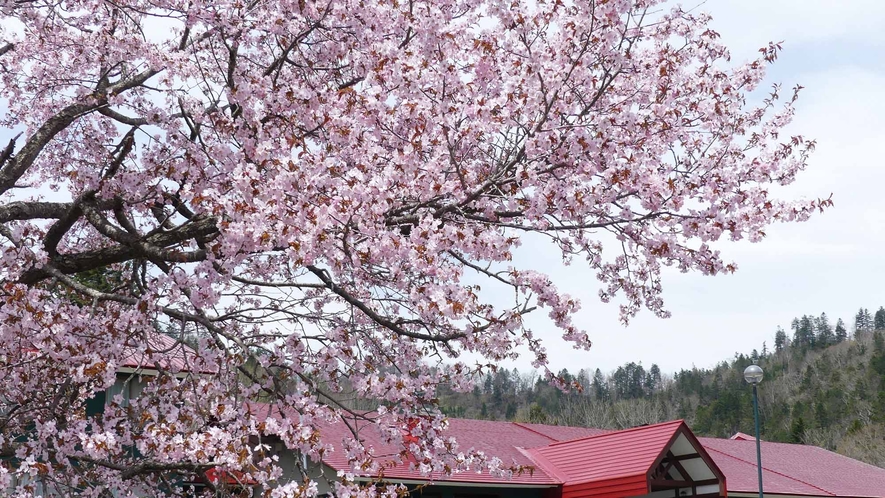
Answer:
x=584 y=380
x=841 y=332
x=877 y=361
x=820 y=413
x=501 y=384
x=780 y=340
x=879 y=408
x=653 y=378
x=860 y=321
x=629 y=381
x=878 y=343
x=600 y=389
x=879 y=320
x=566 y=376
x=823 y=331
x=797 y=430
x=803 y=335
x=516 y=382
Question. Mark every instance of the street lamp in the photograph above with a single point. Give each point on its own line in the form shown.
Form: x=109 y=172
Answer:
x=753 y=376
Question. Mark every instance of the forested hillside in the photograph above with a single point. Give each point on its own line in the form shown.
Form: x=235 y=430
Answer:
x=823 y=386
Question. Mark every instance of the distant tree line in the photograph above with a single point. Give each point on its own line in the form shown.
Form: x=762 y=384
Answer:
x=824 y=385
x=513 y=395
x=810 y=332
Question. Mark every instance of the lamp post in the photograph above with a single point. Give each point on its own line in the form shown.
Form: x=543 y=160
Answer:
x=753 y=376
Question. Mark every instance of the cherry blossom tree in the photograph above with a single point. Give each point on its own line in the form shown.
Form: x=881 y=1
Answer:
x=312 y=194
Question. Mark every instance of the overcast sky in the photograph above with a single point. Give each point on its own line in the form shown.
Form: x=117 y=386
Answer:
x=831 y=264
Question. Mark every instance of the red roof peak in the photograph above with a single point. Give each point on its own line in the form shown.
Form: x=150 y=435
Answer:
x=624 y=431
x=788 y=469
x=740 y=436
x=528 y=428
x=630 y=462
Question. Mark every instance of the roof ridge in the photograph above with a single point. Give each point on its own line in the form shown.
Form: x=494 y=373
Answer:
x=621 y=431
x=519 y=424
x=772 y=471
x=542 y=464
x=741 y=436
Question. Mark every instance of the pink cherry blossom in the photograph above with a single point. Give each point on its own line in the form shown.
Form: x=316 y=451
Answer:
x=318 y=199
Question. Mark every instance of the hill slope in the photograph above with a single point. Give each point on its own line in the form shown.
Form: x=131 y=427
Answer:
x=827 y=391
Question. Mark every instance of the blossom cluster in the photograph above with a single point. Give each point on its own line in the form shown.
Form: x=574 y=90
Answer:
x=322 y=201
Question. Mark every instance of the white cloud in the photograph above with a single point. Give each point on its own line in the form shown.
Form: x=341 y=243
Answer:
x=747 y=25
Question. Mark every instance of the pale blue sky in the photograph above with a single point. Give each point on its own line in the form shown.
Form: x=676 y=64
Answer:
x=831 y=264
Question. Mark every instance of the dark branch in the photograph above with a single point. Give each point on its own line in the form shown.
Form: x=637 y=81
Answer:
x=380 y=320
x=158 y=244
x=18 y=165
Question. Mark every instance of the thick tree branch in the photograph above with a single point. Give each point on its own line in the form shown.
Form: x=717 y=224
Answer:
x=200 y=228
x=34 y=210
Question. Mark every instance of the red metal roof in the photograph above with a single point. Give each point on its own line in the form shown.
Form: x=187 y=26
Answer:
x=561 y=432
x=609 y=465
x=498 y=439
x=504 y=440
x=740 y=436
x=229 y=477
x=794 y=469
x=788 y=469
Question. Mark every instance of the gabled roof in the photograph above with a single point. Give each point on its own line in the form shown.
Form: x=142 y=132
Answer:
x=560 y=432
x=794 y=469
x=626 y=463
x=504 y=440
x=788 y=469
x=497 y=439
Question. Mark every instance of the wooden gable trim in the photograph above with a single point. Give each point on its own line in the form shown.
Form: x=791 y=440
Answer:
x=668 y=460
